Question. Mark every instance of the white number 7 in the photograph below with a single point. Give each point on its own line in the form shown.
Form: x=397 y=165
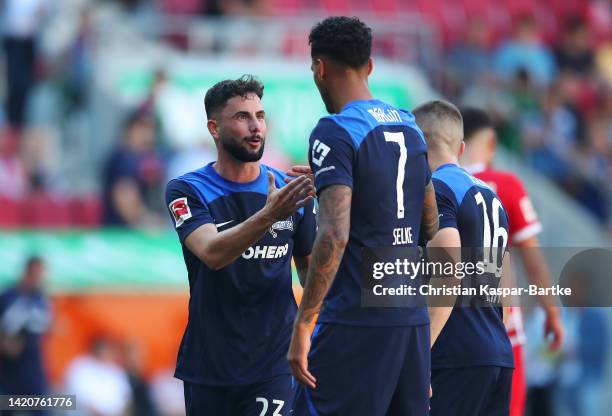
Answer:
x=398 y=138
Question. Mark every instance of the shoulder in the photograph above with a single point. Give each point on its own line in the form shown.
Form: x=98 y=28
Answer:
x=279 y=176
x=458 y=181
x=507 y=185
x=501 y=177
x=198 y=183
x=330 y=128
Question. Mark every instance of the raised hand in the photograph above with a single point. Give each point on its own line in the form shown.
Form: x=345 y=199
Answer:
x=283 y=202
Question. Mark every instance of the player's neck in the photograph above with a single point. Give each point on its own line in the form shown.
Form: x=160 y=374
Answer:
x=350 y=91
x=236 y=171
x=437 y=160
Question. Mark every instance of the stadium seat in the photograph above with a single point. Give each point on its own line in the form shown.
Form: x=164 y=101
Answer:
x=286 y=7
x=335 y=7
x=385 y=7
x=521 y=7
x=40 y=209
x=10 y=215
x=182 y=7
x=448 y=15
x=85 y=212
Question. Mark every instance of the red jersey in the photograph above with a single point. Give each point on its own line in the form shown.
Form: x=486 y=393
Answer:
x=523 y=223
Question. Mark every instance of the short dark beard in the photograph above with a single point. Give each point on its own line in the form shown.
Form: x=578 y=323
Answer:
x=241 y=153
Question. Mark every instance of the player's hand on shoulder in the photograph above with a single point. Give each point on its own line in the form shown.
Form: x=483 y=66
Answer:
x=297 y=171
x=283 y=202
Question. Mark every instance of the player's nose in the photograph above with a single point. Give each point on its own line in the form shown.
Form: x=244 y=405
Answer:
x=256 y=125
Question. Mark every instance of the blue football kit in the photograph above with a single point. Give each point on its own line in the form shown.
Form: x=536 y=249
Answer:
x=369 y=360
x=472 y=358
x=232 y=357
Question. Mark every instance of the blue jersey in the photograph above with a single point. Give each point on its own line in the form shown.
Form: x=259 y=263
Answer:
x=474 y=334
x=241 y=316
x=379 y=152
x=26 y=315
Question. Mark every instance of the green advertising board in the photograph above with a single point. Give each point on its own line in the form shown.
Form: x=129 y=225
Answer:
x=105 y=260
x=108 y=260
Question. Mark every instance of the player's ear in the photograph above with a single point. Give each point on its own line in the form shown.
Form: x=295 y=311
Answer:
x=213 y=128
x=320 y=68
x=370 y=65
x=492 y=141
x=461 y=148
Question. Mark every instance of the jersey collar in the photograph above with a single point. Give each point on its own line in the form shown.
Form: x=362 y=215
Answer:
x=446 y=165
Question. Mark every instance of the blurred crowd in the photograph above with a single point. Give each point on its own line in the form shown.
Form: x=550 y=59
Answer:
x=549 y=92
x=550 y=96
x=552 y=101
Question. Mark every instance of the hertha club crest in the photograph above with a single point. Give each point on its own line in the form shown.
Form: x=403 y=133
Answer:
x=281 y=225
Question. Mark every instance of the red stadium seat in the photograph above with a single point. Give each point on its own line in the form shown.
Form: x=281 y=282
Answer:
x=494 y=13
x=408 y=6
x=335 y=7
x=385 y=7
x=521 y=7
x=10 y=215
x=286 y=7
x=86 y=212
x=183 y=6
x=40 y=209
x=449 y=15
x=567 y=8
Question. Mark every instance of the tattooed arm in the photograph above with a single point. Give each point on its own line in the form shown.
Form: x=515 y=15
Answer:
x=332 y=237
x=429 y=222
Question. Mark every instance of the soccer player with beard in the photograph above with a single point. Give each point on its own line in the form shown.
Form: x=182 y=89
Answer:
x=239 y=226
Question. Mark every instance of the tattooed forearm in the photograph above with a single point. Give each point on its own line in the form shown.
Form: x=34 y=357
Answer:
x=429 y=222
x=332 y=237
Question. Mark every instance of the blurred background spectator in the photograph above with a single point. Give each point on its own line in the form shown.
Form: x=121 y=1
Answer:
x=133 y=362
x=100 y=383
x=133 y=177
x=22 y=21
x=25 y=316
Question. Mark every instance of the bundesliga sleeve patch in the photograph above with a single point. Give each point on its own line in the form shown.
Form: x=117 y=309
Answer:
x=180 y=211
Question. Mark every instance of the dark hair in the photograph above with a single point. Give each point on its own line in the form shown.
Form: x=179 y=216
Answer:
x=33 y=261
x=344 y=39
x=218 y=95
x=575 y=24
x=474 y=119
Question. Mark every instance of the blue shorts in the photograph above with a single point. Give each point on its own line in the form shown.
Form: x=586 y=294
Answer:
x=369 y=371
x=274 y=396
x=471 y=391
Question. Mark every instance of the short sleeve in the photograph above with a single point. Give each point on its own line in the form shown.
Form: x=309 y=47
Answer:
x=304 y=236
x=331 y=155
x=447 y=208
x=522 y=217
x=427 y=171
x=186 y=208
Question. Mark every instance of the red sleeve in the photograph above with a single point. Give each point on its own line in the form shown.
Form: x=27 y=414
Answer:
x=523 y=218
